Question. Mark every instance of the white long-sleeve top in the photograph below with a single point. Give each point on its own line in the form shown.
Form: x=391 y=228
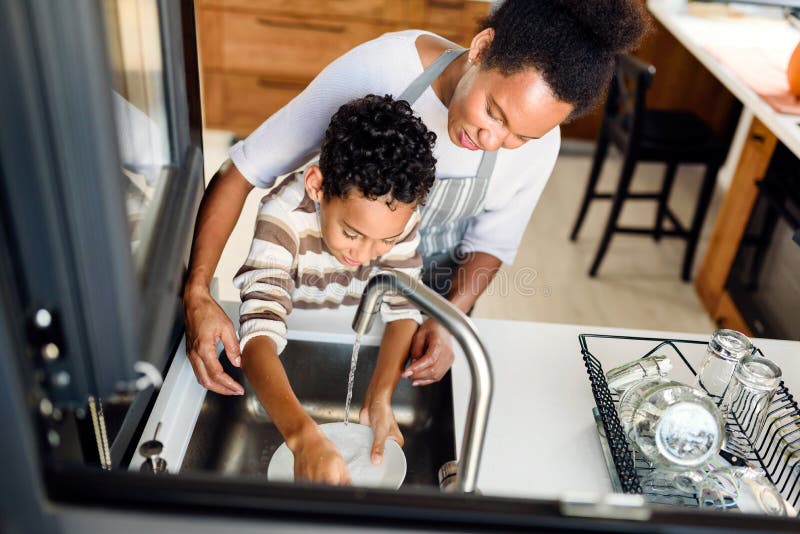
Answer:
x=289 y=266
x=387 y=65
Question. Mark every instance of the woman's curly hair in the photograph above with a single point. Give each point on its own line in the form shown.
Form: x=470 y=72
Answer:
x=377 y=146
x=572 y=43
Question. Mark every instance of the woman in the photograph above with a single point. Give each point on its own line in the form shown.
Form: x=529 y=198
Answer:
x=495 y=108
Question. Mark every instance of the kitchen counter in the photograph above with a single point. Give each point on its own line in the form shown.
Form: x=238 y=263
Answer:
x=698 y=33
x=740 y=30
x=541 y=440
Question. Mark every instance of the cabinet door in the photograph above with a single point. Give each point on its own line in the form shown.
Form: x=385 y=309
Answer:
x=455 y=20
x=375 y=10
x=240 y=102
x=444 y=13
x=285 y=47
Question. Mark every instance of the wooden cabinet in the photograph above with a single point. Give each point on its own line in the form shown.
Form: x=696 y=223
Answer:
x=456 y=20
x=280 y=46
x=730 y=225
x=383 y=10
x=256 y=55
x=240 y=102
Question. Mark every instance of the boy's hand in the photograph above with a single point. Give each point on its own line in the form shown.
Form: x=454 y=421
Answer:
x=207 y=323
x=431 y=354
x=379 y=415
x=317 y=459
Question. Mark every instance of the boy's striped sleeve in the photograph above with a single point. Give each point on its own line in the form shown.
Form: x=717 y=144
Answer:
x=265 y=281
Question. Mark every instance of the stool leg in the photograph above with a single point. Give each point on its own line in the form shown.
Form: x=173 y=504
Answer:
x=706 y=190
x=628 y=167
x=663 y=199
x=600 y=152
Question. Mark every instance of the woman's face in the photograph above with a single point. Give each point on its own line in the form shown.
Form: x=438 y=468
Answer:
x=489 y=111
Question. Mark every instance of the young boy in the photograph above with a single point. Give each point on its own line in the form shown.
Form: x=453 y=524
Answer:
x=318 y=239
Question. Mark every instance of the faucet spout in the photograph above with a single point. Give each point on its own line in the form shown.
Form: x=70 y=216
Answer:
x=465 y=333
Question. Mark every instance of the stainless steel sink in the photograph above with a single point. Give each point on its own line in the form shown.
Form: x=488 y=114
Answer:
x=235 y=436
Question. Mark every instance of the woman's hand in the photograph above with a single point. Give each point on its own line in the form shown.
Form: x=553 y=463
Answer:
x=207 y=323
x=378 y=414
x=431 y=354
x=316 y=458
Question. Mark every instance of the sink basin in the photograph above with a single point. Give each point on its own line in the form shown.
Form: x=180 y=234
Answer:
x=235 y=436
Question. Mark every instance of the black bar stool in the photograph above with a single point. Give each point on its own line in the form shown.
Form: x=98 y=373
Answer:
x=667 y=136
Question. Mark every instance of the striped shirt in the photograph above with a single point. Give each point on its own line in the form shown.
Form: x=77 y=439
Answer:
x=289 y=266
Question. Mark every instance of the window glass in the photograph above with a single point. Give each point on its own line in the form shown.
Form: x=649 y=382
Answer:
x=135 y=53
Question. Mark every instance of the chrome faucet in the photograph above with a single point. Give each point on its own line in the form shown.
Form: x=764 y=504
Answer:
x=462 y=329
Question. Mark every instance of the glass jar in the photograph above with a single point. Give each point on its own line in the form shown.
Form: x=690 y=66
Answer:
x=724 y=351
x=749 y=394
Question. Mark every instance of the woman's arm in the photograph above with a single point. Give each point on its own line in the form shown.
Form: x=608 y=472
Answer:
x=206 y=323
x=315 y=457
x=377 y=411
x=432 y=349
x=473 y=276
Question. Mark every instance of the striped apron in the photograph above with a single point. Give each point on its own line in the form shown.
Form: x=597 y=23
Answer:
x=452 y=202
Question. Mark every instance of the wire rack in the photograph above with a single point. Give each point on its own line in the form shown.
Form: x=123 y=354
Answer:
x=776 y=449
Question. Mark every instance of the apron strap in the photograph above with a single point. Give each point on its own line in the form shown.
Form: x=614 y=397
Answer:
x=424 y=80
x=448 y=232
x=487 y=165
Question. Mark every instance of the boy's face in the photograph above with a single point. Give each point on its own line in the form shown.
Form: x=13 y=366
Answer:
x=357 y=229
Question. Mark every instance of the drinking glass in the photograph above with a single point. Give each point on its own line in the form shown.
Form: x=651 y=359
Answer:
x=724 y=351
x=747 y=399
x=632 y=397
x=746 y=488
x=653 y=366
x=674 y=425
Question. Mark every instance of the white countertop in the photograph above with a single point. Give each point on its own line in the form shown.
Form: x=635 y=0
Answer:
x=541 y=439
x=696 y=32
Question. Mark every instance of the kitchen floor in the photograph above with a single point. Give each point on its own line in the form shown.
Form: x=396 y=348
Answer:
x=638 y=285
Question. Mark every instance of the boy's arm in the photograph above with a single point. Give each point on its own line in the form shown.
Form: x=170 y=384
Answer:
x=315 y=457
x=377 y=411
x=402 y=320
x=266 y=281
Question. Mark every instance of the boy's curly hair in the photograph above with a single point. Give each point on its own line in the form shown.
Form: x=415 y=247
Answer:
x=572 y=43
x=377 y=146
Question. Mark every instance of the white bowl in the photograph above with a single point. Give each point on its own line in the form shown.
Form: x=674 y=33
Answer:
x=354 y=442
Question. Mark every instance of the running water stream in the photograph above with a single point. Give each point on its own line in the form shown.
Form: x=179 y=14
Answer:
x=351 y=378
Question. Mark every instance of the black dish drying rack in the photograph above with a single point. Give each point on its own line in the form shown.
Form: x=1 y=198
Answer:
x=776 y=450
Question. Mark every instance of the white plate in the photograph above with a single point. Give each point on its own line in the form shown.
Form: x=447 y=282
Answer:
x=354 y=442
